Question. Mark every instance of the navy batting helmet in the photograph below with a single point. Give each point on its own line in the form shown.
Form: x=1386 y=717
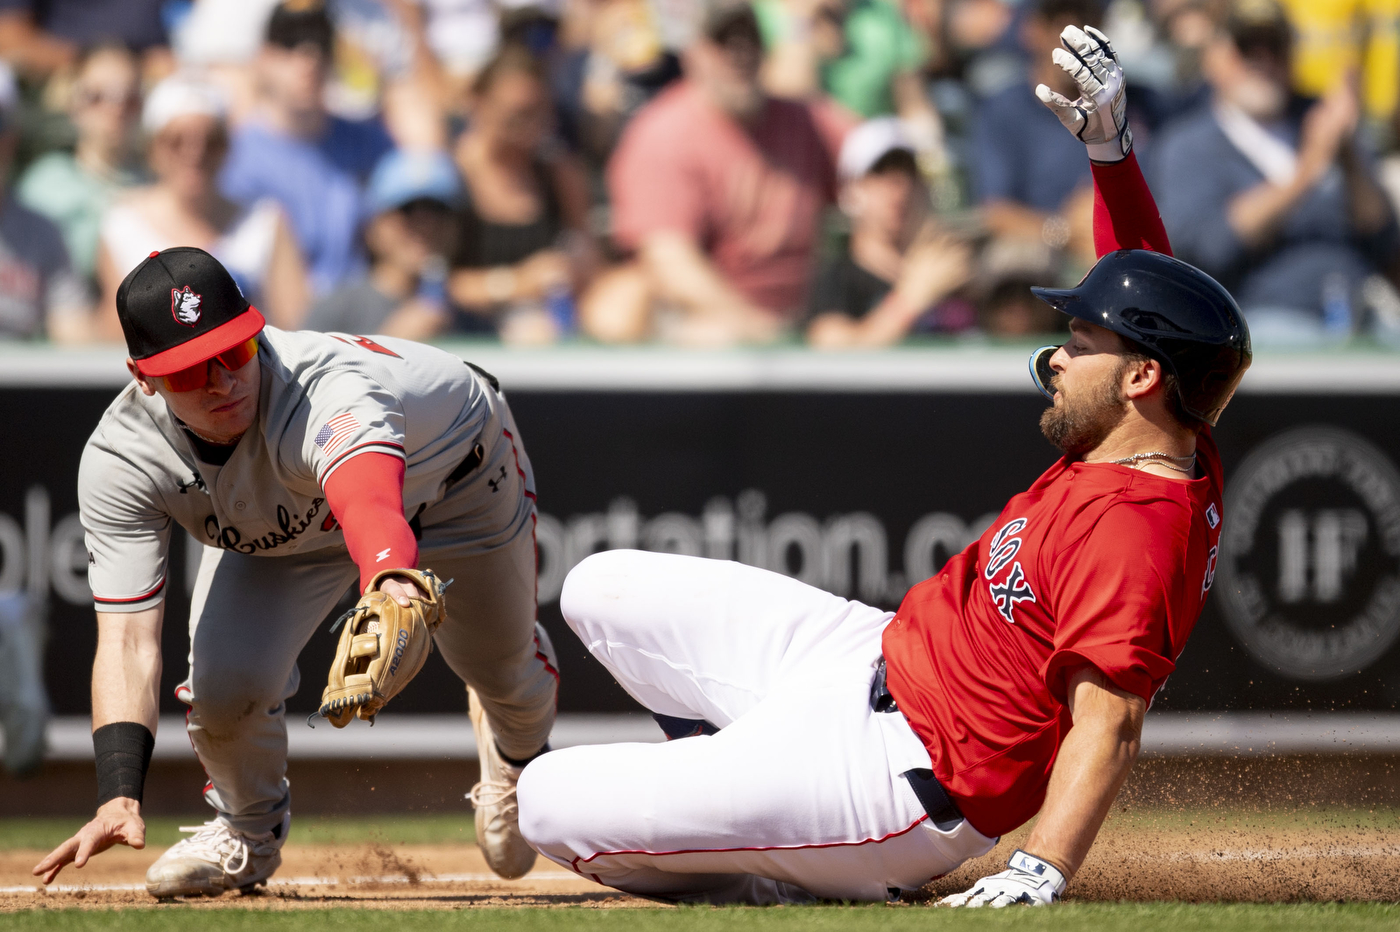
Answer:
x=1171 y=311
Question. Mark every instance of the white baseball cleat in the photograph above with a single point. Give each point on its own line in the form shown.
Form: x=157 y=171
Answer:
x=217 y=858
x=497 y=812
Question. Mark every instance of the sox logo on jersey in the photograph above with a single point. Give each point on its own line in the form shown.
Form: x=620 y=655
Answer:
x=1014 y=588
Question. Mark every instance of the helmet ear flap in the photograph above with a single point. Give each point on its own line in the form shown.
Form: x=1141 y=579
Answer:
x=1041 y=373
x=1175 y=313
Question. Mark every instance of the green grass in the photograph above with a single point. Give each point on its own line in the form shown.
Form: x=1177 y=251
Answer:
x=43 y=833
x=1165 y=917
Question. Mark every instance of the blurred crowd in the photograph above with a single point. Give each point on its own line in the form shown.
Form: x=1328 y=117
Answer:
x=693 y=172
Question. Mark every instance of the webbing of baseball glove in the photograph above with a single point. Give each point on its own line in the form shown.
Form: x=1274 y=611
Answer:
x=382 y=647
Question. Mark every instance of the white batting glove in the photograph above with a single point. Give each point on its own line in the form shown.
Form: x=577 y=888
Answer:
x=1028 y=881
x=1099 y=118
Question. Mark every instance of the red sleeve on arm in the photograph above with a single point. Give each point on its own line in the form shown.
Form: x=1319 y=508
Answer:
x=365 y=494
x=1113 y=601
x=1125 y=213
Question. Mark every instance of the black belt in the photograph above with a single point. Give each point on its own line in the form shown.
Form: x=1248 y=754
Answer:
x=469 y=462
x=491 y=380
x=935 y=800
x=460 y=472
x=474 y=458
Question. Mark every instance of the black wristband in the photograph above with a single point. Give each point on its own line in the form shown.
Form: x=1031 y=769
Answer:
x=123 y=751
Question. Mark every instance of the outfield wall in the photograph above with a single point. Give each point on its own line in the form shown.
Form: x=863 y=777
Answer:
x=860 y=473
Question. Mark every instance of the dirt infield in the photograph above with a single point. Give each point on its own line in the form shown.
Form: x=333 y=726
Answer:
x=363 y=876
x=1222 y=861
x=1139 y=858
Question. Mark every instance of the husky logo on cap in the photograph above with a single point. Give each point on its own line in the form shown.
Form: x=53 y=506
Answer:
x=184 y=304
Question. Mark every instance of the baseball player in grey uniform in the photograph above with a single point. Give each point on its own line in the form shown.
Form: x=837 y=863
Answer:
x=302 y=462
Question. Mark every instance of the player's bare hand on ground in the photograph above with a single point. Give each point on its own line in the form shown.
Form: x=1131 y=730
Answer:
x=400 y=590
x=1028 y=881
x=118 y=822
x=1099 y=117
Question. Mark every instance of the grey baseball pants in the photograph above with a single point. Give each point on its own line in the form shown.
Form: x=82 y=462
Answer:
x=251 y=616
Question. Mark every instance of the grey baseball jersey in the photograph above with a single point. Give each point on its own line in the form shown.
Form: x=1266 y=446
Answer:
x=324 y=399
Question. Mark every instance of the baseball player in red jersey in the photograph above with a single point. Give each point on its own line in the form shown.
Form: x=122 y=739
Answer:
x=832 y=750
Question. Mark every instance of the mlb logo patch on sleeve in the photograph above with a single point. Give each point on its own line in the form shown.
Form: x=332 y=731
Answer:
x=336 y=431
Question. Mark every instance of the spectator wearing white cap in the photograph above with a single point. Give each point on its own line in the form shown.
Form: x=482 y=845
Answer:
x=898 y=265
x=40 y=295
x=185 y=122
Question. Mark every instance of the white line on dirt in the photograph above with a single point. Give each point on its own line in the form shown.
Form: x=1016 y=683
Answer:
x=74 y=888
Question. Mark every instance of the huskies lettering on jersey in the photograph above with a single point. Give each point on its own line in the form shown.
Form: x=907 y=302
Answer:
x=1014 y=587
x=230 y=538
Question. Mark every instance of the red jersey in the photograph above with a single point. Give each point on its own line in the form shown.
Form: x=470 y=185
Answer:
x=1094 y=563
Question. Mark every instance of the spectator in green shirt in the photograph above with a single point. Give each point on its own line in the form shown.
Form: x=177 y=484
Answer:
x=74 y=188
x=881 y=51
x=862 y=52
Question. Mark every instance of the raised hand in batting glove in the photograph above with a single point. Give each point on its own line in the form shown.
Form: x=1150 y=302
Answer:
x=1028 y=881
x=1100 y=116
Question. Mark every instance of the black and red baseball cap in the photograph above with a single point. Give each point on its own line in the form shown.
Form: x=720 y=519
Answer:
x=180 y=307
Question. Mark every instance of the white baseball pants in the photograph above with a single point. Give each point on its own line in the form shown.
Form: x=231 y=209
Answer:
x=800 y=794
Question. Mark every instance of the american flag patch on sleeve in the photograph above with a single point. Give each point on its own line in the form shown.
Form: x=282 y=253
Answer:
x=336 y=431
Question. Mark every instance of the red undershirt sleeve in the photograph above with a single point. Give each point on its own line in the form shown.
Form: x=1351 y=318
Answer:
x=1125 y=213
x=365 y=493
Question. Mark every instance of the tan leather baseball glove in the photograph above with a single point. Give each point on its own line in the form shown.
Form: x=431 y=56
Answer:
x=382 y=647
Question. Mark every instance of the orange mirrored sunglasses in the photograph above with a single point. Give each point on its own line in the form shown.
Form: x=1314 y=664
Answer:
x=187 y=380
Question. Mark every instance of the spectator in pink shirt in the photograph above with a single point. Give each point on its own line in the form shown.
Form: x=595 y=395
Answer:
x=717 y=193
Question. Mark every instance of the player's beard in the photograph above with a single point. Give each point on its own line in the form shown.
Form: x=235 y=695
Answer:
x=1081 y=422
